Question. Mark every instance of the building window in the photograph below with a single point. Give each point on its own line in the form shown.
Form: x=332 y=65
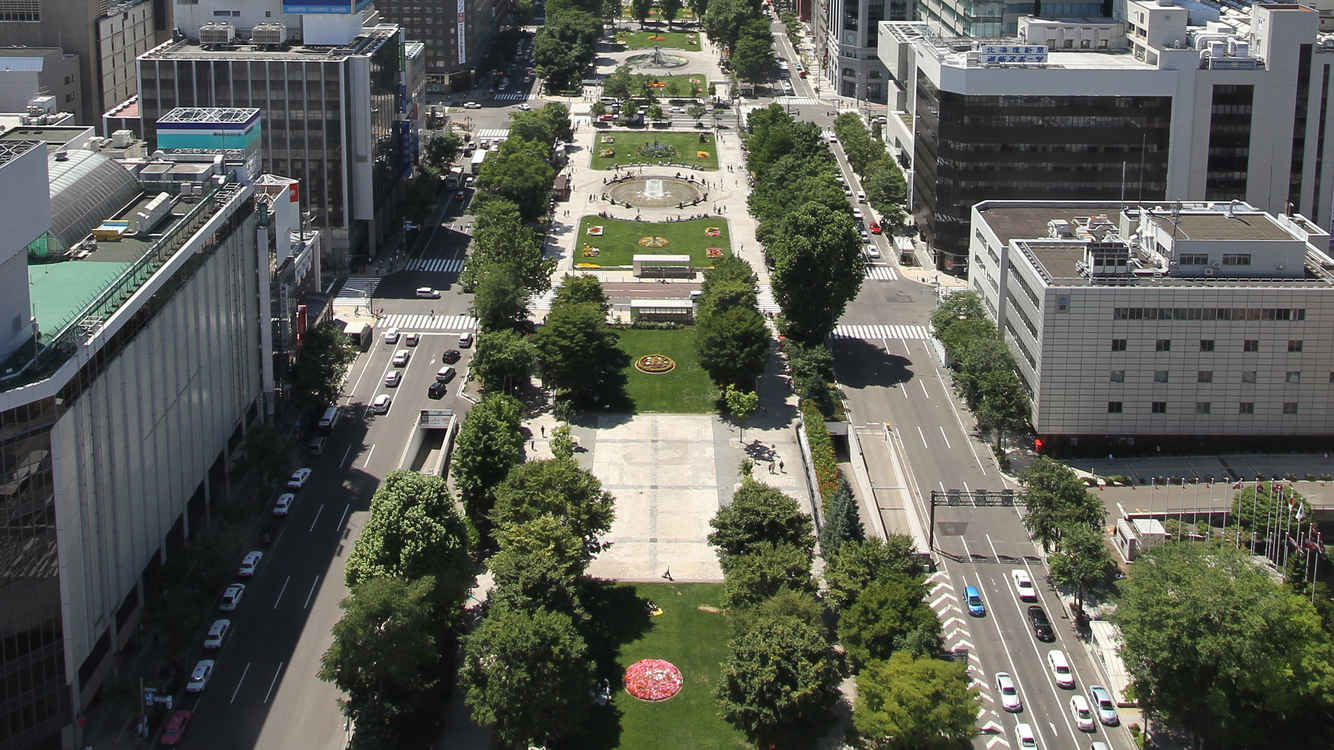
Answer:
x=1236 y=259
x=1248 y=376
x=1206 y=345
x=1160 y=376
x=1294 y=376
x=1163 y=345
x=1204 y=376
x=1250 y=345
x=1113 y=407
x=1201 y=407
x=1118 y=345
x=1119 y=376
x=1289 y=407
x=1246 y=407
x=1294 y=345
x=1194 y=259
x=1158 y=407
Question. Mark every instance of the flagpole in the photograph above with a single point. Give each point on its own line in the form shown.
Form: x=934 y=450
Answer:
x=1255 y=499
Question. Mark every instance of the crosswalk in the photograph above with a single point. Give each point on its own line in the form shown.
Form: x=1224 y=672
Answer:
x=408 y=323
x=797 y=101
x=357 y=289
x=543 y=301
x=436 y=265
x=765 y=300
x=873 y=332
x=494 y=135
x=512 y=96
x=881 y=273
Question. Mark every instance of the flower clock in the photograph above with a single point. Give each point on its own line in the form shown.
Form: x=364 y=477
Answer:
x=655 y=364
x=712 y=232
x=652 y=680
x=714 y=253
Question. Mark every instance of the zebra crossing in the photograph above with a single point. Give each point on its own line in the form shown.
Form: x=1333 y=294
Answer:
x=448 y=323
x=543 y=301
x=881 y=273
x=436 y=265
x=765 y=300
x=357 y=289
x=512 y=96
x=874 y=332
x=797 y=101
x=956 y=636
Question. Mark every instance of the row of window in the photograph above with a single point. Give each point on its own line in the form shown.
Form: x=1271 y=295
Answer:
x=1207 y=345
x=1209 y=313
x=1201 y=407
x=1207 y=376
x=1202 y=259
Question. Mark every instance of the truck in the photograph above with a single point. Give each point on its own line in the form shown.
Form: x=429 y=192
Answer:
x=359 y=333
x=478 y=157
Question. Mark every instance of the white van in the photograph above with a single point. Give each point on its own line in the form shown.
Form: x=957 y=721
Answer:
x=329 y=418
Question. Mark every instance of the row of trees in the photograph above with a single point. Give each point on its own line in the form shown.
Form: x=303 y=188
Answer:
x=730 y=334
x=882 y=180
x=668 y=10
x=811 y=246
x=1064 y=516
x=742 y=28
x=983 y=367
x=567 y=44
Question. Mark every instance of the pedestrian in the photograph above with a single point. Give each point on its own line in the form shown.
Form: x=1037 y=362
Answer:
x=781 y=467
x=668 y=574
x=771 y=466
x=544 y=430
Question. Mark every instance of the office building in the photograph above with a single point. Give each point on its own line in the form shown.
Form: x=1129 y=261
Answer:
x=991 y=19
x=27 y=73
x=456 y=33
x=1149 y=108
x=844 y=36
x=1169 y=322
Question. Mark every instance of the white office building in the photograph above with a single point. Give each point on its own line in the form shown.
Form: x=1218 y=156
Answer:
x=1161 y=321
x=844 y=35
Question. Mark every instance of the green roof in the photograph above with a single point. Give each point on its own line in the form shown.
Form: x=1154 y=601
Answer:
x=59 y=290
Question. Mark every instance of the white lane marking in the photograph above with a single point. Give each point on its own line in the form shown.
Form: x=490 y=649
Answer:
x=957 y=418
x=369 y=451
x=925 y=393
x=366 y=365
x=966 y=550
x=923 y=436
x=965 y=488
x=944 y=437
x=346 y=508
x=274 y=681
x=318 y=511
x=311 y=593
x=281 y=591
x=244 y=672
x=343 y=461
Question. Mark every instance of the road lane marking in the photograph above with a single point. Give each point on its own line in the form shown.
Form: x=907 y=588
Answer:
x=950 y=400
x=923 y=436
x=318 y=511
x=925 y=393
x=343 y=461
x=965 y=488
x=943 y=437
x=244 y=672
x=346 y=508
x=274 y=681
x=313 y=584
x=966 y=551
x=281 y=591
x=368 y=456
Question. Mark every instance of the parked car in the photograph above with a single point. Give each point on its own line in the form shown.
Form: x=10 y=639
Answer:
x=1104 y=705
x=217 y=633
x=250 y=563
x=200 y=676
x=450 y=356
x=973 y=598
x=298 y=478
x=1060 y=668
x=437 y=390
x=393 y=378
x=174 y=732
x=1009 y=692
x=1024 y=584
x=381 y=404
x=1041 y=625
x=1079 y=708
x=284 y=504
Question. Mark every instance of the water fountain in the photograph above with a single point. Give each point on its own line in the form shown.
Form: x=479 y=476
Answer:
x=656 y=192
x=653 y=188
x=656 y=59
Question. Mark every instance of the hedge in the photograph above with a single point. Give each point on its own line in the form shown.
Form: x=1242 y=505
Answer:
x=822 y=452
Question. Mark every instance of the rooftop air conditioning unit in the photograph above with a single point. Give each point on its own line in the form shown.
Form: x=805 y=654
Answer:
x=216 y=32
x=272 y=34
x=122 y=138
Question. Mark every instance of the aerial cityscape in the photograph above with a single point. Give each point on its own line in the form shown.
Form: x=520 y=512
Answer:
x=662 y=374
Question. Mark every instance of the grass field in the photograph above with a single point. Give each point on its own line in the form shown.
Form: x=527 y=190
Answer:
x=619 y=241
x=686 y=389
x=694 y=640
x=684 y=85
x=682 y=40
x=625 y=147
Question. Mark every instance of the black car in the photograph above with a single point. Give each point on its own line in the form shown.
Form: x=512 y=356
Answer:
x=1041 y=625
x=450 y=356
x=437 y=390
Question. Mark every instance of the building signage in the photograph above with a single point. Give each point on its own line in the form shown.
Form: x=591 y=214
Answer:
x=462 y=33
x=1012 y=53
x=324 y=7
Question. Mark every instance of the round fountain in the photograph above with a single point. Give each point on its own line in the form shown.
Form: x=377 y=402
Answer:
x=656 y=59
x=656 y=192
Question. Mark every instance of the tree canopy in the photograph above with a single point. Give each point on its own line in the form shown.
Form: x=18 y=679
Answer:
x=889 y=615
x=1056 y=500
x=1083 y=563
x=843 y=523
x=851 y=568
x=556 y=487
x=565 y=45
x=757 y=514
x=732 y=344
x=577 y=351
x=488 y=445
x=316 y=376
x=538 y=565
x=521 y=173
x=502 y=358
x=817 y=268
x=763 y=571
x=915 y=703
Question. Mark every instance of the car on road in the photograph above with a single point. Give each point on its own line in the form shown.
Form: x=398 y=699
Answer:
x=1027 y=739
x=298 y=478
x=1099 y=746
x=412 y=339
x=848 y=192
x=1103 y=704
x=284 y=504
x=381 y=404
x=391 y=336
x=426 y=292
x=471 y=105
x=1079 y=708
x=865 y=237
x=972 y=597
x=437 y=390
x=1060 y=668
x=1009 y=692
x=175 y=729
x=525 y=106
x=250 y=563
x=1024 y=584
x=465 y=340
x=458 y=196
x=829 y=136
x=401 y=358
x=1041 y=625
x=678 y=110
x=217 y=633
x=393 y=378
x=861 y=197
x=450 y=356
x=871 y=251
x=200 y=676
x=875 y=227
x=445 y=374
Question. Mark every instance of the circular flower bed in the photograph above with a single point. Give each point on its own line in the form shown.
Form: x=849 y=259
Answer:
x=652 y=680
x=655 y=364
x=595 y=231
x=654 y=241
x=714 y=252
x=712 y=232
x=591 y=251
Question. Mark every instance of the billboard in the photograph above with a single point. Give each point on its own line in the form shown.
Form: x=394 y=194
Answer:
x=311 y=7
x=462 y=33
x=1012 y=53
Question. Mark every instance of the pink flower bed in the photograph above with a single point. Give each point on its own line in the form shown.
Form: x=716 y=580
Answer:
x=652 y=680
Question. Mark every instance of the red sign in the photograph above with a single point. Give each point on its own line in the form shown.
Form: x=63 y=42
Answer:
x=292 y=192
x=300 y=324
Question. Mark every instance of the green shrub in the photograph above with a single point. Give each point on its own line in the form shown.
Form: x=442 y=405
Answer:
x=822 y=452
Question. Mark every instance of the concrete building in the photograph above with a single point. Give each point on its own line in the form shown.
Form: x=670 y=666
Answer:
x=456 y=34
x=1150 y=108
x=30 y=72
x=845 y=42
x=1162 y=322
x=991 y=19
x=126 y=31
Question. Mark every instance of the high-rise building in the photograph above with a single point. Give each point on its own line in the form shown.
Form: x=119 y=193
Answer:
x=32 y=72
x=845 y=41
x=457 y=34
x=991 y=19
x=1149 y=108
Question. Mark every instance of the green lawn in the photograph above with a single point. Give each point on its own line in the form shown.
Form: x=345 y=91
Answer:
x=686 y=389
x=619 y=241
x=693 y=640
x=684 y=85
x=670 y=40
x=685 y=14
x=624 y=148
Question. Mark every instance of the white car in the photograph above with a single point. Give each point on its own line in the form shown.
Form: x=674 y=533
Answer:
x=249 y=563
x=525 y=106
x=426 y=292
x=872 y=251
x=1009 y=692
x=217 y=633
x=401 y=358
x=1027 y=739
x=381 y=404
x=1104 y=705
x=465 y=340
x=412 y=339
x=298 y=479
x=1024 y=584
x=829 y=136
x=861 y=197
x=199 y=677
x=471 y=105
x=231 y=597
x=847 y=191
x=284 y=504
x=391 y=336
x=1060 y=668
x=1079 y=708
x=392 y=378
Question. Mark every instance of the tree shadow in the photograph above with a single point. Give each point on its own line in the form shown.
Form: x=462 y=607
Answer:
x=860 y=364
x=616 y=615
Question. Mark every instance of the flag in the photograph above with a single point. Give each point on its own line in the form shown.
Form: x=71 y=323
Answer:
x=1301 y=510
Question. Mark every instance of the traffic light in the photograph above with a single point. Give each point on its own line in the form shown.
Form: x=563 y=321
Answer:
x=1037 y=444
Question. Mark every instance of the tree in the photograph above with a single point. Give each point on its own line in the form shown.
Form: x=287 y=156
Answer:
x=654 y=111
x=502 y=357
x=579 y=288
x=670 y=9
x=812 y=371
x=557 y=117
x=500 y=301
x=526 y=675
x=1054 y=500
x=640 y=10
x=723 y=20
x=1083 y=562
x=386 y=656
x=759 y=513
x=565 y=45
x=598 y=109
x=500 y=236
x=732 y=344
x=577 y=351
x=780 y=677
x=1216 y=647
x=532 y=126
x=914 y=703
x=763 y=571
x=266 y=452
x=488 y=445
x=699 y=8
x=316 y=376
x=562 y=441
x=889 y=615
x=842 y=522
x=817 y=268
x=797 y=603
x=855 y=565
x=1004 y=405
x=538 y=565
x=886 y=191
x=520 y=172
x=753 y=58
x=696 y=112
x=414 y=531
x=740 y=404
x=442 y=149
x=727 y=270
x=617 y=84
x=560 y=488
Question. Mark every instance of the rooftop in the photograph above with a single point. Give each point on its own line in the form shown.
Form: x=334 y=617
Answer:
x=55 y=137
x=1219 y=227
x=11 y=149
x=365 y=43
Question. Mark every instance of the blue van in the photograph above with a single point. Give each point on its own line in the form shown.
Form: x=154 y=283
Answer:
x=973 y=598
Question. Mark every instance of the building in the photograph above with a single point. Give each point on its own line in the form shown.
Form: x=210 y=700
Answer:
x=41 y=110
x=127 y=30
x=992 y=19
x=1148 y=109
x=456 y=33
x=845 y=42
x=30 y=72
x=1163 y=323
x=336 y=110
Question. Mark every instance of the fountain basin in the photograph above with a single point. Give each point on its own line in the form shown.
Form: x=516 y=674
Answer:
x=656 y=192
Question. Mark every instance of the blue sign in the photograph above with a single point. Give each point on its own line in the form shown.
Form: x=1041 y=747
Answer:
x=312 y=7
